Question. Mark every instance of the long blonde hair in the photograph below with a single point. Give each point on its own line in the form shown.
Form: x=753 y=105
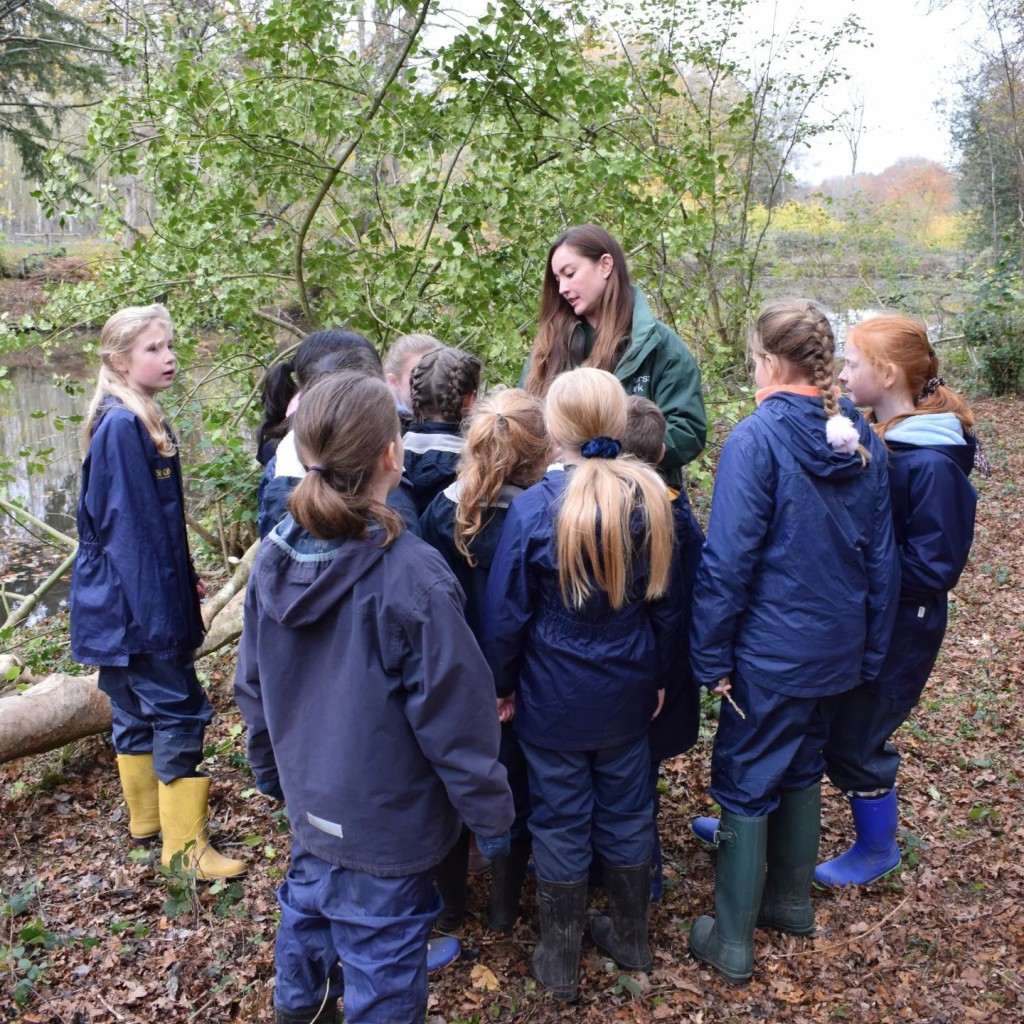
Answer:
x=116 y=341
x=594 y=539
x=506 y=443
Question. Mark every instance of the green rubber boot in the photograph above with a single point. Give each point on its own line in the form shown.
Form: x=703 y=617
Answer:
x=726 y=941
x=794 y=829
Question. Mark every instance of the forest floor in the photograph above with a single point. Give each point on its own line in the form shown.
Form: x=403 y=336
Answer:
x=89 y=936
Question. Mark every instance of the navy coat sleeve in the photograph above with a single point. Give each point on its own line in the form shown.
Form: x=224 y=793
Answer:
x=939 y=526
x=883 y=572
x=508 y=604
x=452 y=711
x=249 y=696
x=741 y=512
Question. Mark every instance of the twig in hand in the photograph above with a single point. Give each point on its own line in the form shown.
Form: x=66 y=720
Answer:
x=735 y=706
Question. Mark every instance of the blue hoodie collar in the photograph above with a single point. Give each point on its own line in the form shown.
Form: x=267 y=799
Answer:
x=928 y=428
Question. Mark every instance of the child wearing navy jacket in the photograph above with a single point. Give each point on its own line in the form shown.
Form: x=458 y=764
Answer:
x=135 y=594
x=285 y=379
x=676 y=728
x=507 y=450
x=369 y=703
x=793 y=605
x=579 y=635
x=284 y=470
x=892 y=367
x=443 y=386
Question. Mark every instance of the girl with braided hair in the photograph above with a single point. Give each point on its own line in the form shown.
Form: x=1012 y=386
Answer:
x=443 y=387
x=507 y=450
x=792 y=606
x=892 y=367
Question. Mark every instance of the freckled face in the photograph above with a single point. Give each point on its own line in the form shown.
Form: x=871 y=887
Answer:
x=150 y=364
x=861 y=379
x=581 y=280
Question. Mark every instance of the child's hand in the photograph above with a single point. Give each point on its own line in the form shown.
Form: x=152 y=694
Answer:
x=661 y=703
x=506 y=708
x=723 y=687
x=201 y=589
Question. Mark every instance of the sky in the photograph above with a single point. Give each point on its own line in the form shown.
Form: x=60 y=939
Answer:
x=915 y=60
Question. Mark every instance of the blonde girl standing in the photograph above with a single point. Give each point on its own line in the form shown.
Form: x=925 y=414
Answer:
x=577 y=634
x=135 y=594
x=507 y=450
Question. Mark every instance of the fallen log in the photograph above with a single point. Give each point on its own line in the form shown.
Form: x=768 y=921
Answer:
x=56 y=711
x=62 y=708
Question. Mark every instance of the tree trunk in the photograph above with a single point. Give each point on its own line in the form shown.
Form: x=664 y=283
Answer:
x=56 y=711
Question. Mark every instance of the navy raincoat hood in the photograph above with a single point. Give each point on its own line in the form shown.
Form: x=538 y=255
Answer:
x=367 y=696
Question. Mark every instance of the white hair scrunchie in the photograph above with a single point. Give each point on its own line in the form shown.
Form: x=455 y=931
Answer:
x=842 y=435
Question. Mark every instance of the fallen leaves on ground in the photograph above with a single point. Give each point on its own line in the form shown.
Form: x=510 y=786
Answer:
x=89 y=936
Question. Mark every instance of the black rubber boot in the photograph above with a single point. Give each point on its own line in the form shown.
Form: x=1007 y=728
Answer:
x=726 y=941
x=450 y=876
x=556 y=960
x=794 y=829
x=319 y=1014
x=622 y=934
x=507 y=876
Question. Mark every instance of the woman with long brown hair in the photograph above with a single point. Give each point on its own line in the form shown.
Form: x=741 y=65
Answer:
x=591 y=315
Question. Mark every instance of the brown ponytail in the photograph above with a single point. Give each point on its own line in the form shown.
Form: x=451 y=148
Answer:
x=345 y=423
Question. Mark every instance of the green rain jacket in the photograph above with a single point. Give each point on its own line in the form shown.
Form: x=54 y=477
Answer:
x=657 y=365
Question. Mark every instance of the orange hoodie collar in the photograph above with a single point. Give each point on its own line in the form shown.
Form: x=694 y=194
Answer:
x=809 y=390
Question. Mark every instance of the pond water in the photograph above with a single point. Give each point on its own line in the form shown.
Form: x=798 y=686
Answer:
x=41 y=460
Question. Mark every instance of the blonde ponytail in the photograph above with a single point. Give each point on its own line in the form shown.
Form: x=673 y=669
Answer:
x=605 y=499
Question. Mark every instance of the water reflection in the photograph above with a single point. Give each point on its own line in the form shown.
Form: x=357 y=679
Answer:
x=40 y=460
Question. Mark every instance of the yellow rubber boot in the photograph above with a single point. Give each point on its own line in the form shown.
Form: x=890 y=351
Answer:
x=183 y=805
x=139 y=785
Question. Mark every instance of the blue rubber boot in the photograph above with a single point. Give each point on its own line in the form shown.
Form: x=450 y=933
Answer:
x=706 y=831
x=874 y=853
x=442 y=950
